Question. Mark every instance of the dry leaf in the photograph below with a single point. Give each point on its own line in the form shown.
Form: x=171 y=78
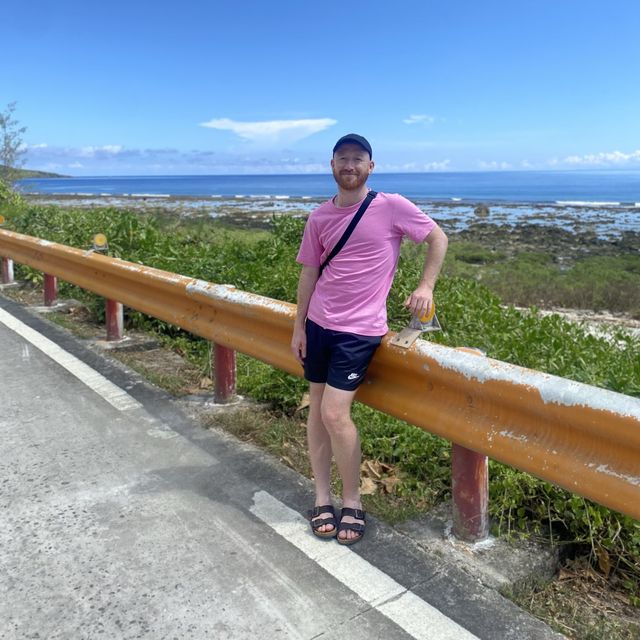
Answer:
x=368 y=468
x=304 y=402
x=604 y=561
x=390 y=483
x=368 y=487
x=563 y=574
x=206 y=383
x=376 y=469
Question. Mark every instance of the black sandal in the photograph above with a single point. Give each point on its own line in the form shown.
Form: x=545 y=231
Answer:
x=316 y=521
x=351 y=526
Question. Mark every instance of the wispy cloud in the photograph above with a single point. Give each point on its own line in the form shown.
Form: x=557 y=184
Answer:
x=271 y=132
x=108 y=150
x=120 y=160
x=423 y=119
x=604 y=159
x=494 y=165
x=413 y=167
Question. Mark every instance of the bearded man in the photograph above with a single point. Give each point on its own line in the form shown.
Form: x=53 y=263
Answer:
x=342 y=317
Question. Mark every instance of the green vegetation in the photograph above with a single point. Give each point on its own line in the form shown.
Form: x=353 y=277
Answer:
x=591 y=282
x=21 y=174
x=11 y=147
x=470 y=299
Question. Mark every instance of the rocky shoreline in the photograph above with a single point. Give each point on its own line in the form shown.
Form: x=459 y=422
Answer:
x=568 y=232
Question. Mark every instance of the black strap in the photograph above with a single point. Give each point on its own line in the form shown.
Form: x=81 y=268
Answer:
x=349 y=230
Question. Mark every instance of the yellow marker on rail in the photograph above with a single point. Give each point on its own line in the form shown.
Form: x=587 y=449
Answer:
x=417 y=326
x=427 y=317
x=100 y=242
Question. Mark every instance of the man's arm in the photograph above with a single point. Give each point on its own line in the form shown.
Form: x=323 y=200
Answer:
x=306 y=284
x=421 y=300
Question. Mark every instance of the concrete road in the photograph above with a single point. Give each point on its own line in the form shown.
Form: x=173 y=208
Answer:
x=121 y=518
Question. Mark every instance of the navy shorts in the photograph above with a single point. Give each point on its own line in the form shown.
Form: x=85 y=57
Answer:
x=338 y=358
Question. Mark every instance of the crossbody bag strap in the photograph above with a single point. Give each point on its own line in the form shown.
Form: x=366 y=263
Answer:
x=349 y=230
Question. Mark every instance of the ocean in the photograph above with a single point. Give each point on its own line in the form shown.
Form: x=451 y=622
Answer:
x=599 y=188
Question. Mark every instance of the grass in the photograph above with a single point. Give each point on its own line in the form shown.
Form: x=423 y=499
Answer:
x=579 y=604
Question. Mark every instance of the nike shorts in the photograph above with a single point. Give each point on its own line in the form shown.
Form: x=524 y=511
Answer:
x=337 y=358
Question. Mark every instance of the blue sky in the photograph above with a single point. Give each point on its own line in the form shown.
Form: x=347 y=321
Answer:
x=195 y=87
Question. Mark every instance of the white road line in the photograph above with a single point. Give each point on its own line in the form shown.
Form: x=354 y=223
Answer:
x=417 y=617
x=113 y=394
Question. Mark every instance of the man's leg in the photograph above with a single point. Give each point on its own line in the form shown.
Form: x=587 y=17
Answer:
x=335 y=411
x=319 y=444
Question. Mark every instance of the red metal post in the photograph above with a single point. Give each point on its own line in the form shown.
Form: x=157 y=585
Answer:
x=7 y=271
x=224 y=362
x=50 y=290
x=470 y=488
x=114 y=319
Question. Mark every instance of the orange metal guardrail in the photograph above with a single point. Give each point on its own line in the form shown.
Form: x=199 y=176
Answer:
x=579 y=437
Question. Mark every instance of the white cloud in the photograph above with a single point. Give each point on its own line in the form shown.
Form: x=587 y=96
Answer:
x=436 y=166
x=271 y=132
x=493 y=165
x=105 y=150
x=603 y=159
x=119 y=160
x=413 y=167
x=420 y=119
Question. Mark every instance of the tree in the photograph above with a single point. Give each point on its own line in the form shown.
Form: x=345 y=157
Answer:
x=11 y=147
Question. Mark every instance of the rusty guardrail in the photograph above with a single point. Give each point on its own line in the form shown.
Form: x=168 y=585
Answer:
x=579 y=437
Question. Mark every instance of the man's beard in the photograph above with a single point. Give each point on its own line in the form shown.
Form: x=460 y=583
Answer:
x=350 y=181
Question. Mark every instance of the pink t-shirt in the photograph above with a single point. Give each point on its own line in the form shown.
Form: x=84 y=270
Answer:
x=351 y=294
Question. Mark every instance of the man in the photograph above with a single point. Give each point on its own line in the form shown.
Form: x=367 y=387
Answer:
x=342 y=318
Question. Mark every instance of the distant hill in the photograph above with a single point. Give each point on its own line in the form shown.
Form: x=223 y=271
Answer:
x=21 y=174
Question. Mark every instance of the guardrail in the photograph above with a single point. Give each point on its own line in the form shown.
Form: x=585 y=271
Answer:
x=579 y=437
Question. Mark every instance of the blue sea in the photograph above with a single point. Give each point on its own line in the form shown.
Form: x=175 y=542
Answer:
x=611 y=188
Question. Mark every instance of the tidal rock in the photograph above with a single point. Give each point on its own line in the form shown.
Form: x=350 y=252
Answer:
x=482 y=211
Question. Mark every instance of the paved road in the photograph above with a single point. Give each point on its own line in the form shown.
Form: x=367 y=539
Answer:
x=120 y=518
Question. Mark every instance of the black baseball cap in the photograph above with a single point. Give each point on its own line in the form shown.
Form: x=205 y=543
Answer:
x=354 y=138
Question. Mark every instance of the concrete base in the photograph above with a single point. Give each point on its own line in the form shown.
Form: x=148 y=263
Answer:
x=206 y=400
x=130 y=342
x=61 y=306
x=494 y=562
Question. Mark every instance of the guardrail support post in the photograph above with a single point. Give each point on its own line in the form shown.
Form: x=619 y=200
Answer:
x=7 y=271
x=224 y=366
x=50 y=290
x=470 y=489
x=114 y=319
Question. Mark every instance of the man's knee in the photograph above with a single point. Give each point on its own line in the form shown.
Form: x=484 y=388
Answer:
x=336 y=418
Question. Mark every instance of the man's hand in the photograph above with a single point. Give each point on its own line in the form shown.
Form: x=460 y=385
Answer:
x=299 y=343
x=306 y=284
x=420 y=301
